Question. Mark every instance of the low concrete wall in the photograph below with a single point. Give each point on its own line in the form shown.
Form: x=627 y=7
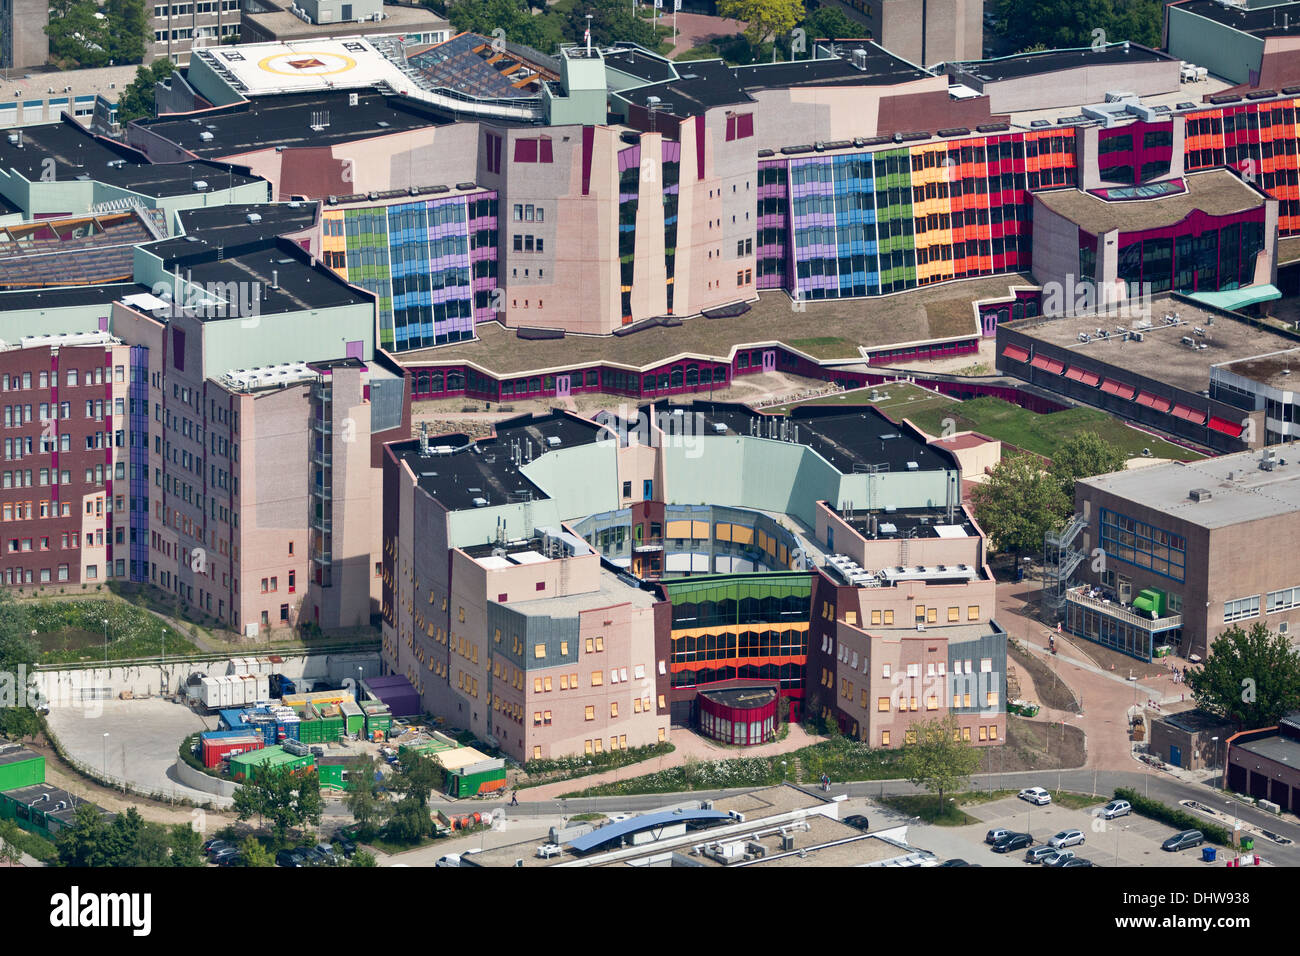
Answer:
x=66 y=683
x=201 y=781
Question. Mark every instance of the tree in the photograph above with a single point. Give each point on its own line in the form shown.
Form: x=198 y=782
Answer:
x=1251 y=678
x=830 y=23
x=254 y=854
x=84 y=843
x=363 y=800
x=611 y=21
x=939 y=760
x=410 y=821
x=1084 y=455
x=363 y=858
x=286 y=798
x=128 y=31
x=512 y=17
x=186 y=846
x=765 y=19
x=137 y=98
x=17 y=656
x=1017 y=504
x=1063 y=24
x=10 y=853
x=78 y=34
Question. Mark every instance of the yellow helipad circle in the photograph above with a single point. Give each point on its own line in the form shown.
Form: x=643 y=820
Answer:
x=288 y=59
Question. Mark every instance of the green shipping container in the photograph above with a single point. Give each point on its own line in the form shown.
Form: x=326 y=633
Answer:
x=354 y=721
x=378 y=723
x=469 y=785
x=325 y=730
x=248 y=765
x=21 y=768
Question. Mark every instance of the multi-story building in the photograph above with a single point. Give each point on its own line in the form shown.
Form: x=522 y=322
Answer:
x=1179 y=552
x=23 y=41
x=670 y=612
x=72 y=444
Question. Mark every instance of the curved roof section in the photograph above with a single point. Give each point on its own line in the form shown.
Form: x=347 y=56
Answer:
x=1216 y=193
x=648 y=821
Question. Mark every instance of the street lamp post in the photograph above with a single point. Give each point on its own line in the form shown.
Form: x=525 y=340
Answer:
x=1215 y=742
x=1117 y=829
x=105 y=642
x=106 y=755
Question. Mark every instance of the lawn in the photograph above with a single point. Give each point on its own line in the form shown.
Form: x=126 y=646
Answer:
x=897 y=400
x=75 y=630
x=1043 y=434
x=1075 y=801
x=824 y=346
x=927 y=807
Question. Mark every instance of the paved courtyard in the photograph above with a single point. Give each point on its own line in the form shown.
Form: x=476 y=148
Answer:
x=143 y=739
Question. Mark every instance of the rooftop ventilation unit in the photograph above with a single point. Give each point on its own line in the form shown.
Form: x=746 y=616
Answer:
x=553 y=441
x=200 y=185
x=254 y=217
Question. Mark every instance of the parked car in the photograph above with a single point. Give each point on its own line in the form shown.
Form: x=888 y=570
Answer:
x=996 y=834
x=345 y=846
x=314 y=856
x=211 y=846
x=230 y=859
x=1036 y=854
x=332 y=855
x=1183 y=841
x=289 y=858
x=858 y=822
x=451 y=859
x=955 y=863
x=1066 y=838
x=1036 y=795
x=221 y=856
x=1116 y=808
x=1058 y=858
x=1013 y=841
x=1077 y=861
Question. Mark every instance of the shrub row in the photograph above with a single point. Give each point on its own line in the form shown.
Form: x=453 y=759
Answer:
x=1179 y=819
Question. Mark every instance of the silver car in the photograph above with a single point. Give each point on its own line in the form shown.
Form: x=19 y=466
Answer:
x=1037 y=854
x=1066 y=838
x=1116 y=808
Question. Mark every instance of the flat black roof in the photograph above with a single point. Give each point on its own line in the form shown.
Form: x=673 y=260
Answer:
x=486 y=469
x=850 y=440
x=298 y=284
x=228 y=227
x=264 y=122
x=17 y=755
x=873 y=524
x=1260 y=22
x=78 y=154
x=705 y=84
x=637 y=62
x=84 y=295
x=1051 y=61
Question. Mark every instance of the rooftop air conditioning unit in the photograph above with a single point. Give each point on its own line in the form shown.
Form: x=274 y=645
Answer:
x=200 y=185
x=1200 y=494
x=205 y=136
x=254 y=217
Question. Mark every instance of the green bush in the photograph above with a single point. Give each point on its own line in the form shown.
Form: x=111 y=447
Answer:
x=568 y=768
x=695 y=775
x=1178 y=819
x=842 y=758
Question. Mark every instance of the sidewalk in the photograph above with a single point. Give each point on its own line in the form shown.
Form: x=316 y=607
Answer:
x=688 y=744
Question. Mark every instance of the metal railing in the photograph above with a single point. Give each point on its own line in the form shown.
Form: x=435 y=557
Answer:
x=1081 y=596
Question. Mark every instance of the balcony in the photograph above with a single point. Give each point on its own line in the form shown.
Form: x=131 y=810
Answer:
x=324 y=492
x=323 y=425
x=323 y=524
x=321 y=391
x=648 y=544
x=323 y=458
x=321 y=557
x=1119 y=612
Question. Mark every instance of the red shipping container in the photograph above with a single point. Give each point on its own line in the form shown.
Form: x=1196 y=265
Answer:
x=214 y=751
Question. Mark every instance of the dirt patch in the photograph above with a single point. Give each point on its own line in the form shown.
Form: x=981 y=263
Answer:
x=1035 y=745
x=1051 y=690
x=1111 y=660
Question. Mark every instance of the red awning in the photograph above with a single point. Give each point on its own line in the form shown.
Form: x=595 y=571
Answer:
x=1153 y=401
x=1190 y=414
x=1016 y=353
x=1112 y=387
x=1225 y=426
x=1050 y=365
x=1083 y=376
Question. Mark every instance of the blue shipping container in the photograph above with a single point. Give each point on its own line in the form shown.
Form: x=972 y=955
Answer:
x=290 y=730
x=221 y=734
x=233 y=720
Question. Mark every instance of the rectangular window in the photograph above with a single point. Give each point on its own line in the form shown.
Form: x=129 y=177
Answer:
x=597 y=678
x=613 y=708
x=539 y=651
x=1241 y=609
x=589 y=713
x=884 y=738
x=954 y=614
x=1276 y=601
x=973 y=612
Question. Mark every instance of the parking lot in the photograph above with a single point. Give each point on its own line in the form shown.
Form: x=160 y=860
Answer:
x=1135 y=839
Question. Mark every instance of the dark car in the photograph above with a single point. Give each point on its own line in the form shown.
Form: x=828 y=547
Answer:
x=230 y=859
x=222 y=855
x=345 y=846
x=289 y=858
x=314 y=857
x=209 y=844
x=858 y=822
x=213 y=847
x=954 y=863
x=1014 y=841
x=1183 y=841
x=1076 y=861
